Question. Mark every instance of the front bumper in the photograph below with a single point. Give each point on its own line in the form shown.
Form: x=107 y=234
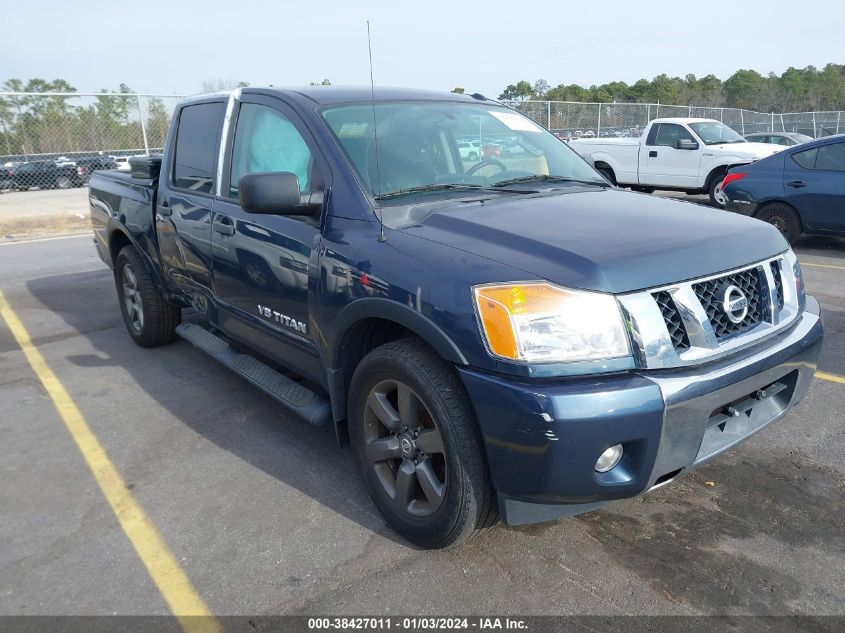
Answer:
x=543 y=438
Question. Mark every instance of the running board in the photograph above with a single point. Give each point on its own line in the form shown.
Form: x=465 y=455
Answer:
x=294 y=397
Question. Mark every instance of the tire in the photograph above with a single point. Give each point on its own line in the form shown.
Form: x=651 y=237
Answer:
x=640 y=189
x=473 y=156
x=433 y=446
x=783 y=218
x=714 y=190
x=63 y=182
x=150 y=320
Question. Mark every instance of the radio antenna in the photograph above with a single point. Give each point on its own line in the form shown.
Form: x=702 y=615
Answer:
x=379 y=213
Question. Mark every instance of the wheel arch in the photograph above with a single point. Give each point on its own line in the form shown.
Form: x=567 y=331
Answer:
x=717 y=171
x=118 y=238
x=764 y=205
x=364 y=325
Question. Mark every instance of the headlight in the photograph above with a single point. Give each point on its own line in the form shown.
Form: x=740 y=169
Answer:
x=542 y=323
x=799 y=281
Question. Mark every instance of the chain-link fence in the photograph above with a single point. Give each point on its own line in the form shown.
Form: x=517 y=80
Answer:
x=56 y=140
x=575 y=120
x=50 y=139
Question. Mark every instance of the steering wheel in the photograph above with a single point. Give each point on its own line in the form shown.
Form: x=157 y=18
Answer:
x=485 y=163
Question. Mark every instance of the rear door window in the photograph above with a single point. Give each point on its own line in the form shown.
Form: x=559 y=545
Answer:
x=196 y=146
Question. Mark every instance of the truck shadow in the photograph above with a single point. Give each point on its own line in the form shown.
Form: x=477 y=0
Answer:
x=207 y=398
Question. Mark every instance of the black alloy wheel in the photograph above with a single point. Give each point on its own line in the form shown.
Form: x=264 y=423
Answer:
x=405 y=448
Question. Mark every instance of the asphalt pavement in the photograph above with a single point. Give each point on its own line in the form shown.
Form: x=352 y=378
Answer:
x=266 y=515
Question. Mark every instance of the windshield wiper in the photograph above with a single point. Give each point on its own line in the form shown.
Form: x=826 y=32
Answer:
x=547 y=178
x=425 y=188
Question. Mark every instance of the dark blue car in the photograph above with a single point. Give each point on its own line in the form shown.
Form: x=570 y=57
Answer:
x=799 y=190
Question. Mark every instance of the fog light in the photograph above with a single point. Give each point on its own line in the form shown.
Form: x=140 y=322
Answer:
x=609 y=458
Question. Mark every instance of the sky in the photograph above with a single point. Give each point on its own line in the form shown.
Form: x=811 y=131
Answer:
x=173 y=47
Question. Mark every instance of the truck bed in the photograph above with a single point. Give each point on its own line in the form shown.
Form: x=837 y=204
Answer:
x=118 y=196
x=622 y=154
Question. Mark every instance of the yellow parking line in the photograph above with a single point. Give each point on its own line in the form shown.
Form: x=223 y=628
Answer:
x=165 y=572
x=831 y=377
x=822 y=265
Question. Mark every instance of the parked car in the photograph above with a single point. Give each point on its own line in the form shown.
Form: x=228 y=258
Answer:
x=122 y=162
x=491 y=150
x=45 y=174
x=6 y=177
x=690 y=155
x=529 y=342
x=469 y=150
x=86 y=166
x=799 y=191
x=778 y=138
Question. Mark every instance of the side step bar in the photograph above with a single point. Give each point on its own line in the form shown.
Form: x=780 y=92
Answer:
x=293 y=396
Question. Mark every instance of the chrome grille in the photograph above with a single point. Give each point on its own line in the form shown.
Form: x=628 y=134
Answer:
x=778 y=282
x=683 y=324
x=711 y=294
x=672 y=317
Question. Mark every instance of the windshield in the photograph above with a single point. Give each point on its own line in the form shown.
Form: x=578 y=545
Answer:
x=449 y=146
x=713 y=133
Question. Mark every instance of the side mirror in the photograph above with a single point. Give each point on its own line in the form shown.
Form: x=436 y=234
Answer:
x=685 y=143
x=274 y=193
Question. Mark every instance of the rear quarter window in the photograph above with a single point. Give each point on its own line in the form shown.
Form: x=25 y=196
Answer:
x=807 y=158
x=197 y=140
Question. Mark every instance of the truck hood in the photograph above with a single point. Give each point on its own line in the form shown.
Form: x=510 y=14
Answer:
x=596 y=239
x=744 y=151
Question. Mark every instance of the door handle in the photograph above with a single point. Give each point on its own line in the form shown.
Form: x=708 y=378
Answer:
x=164 y=209
x=652 y=154
x=797 y=184
x=223 y=226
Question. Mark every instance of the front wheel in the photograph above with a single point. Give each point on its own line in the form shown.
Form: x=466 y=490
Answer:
x=714 y=191
x=149 y=318
x=417 y=445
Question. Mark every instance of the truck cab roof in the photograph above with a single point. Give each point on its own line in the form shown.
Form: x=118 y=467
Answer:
x=326 y=95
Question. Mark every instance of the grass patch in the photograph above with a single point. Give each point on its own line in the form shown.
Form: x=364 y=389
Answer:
x=43 y=225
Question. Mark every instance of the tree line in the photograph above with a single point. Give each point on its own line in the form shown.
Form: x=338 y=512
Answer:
x=35 y=124
x=795 y=90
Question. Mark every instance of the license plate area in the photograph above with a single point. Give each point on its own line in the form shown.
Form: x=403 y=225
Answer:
x=736 y=420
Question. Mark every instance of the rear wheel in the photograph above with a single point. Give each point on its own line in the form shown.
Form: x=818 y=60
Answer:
x=783 y=218
x=63 y=182
x=418 y=447
x=149 y=318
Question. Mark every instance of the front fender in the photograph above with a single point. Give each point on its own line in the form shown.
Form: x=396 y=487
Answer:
x=390 y=310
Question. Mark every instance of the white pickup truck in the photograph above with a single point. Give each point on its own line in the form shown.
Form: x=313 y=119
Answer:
x=690 y=155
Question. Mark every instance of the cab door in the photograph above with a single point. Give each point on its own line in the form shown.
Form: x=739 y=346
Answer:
x=185 y=197
x=666 y=165
x=262 y=264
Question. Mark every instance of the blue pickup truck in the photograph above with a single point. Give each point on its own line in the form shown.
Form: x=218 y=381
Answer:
x=496 y=335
